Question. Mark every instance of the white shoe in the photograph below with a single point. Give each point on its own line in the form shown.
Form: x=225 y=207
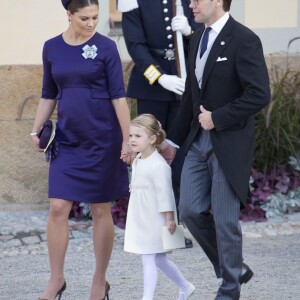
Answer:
x=186 y=294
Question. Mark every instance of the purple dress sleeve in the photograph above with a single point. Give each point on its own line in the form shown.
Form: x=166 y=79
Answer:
x=114 y=73
x=49 y=89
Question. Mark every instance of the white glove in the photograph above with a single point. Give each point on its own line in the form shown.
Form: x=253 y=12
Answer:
x=172 y=83
x=180 y=23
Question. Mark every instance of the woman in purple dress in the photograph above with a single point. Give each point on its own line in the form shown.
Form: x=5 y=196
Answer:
x=83 y=75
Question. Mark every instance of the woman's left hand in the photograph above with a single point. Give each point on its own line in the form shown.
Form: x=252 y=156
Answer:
x=126 y=154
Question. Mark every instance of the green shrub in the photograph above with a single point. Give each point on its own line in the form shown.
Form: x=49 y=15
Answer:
x=278 y=125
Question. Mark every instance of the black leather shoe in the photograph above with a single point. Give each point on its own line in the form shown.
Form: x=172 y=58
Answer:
x=246 y=274
x=188 y=243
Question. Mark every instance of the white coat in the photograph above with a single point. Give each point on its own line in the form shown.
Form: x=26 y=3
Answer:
x=151 y=195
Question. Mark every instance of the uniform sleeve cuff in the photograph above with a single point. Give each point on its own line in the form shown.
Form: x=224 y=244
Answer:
x=152 y=74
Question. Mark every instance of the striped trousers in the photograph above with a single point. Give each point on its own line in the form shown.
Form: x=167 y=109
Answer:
x=210 y=209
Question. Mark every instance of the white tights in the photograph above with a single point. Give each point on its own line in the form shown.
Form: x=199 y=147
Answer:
x=160 y=260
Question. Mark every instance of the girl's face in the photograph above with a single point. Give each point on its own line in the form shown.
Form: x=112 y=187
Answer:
x=141 y=141
x=85 y=20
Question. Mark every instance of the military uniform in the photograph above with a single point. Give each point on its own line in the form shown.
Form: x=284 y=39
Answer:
x=150 y=42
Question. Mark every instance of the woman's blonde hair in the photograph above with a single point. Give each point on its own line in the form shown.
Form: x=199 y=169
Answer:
x=151 y=125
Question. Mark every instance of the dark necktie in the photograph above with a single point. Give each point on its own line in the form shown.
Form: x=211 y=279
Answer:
x=204 y=41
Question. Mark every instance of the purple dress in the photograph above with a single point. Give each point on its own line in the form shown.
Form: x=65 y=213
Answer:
x=87 y=167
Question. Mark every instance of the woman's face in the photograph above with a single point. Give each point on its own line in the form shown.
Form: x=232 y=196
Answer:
x=85 y=20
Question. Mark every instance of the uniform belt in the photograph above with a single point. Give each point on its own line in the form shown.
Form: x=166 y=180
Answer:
x=165 y=53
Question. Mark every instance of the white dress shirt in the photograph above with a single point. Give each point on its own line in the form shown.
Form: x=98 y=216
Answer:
x=215 y=30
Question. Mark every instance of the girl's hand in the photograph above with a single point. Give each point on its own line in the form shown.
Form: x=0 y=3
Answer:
x=126 y=154
x=171 y=225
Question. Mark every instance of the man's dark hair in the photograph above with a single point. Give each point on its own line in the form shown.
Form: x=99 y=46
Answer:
x=226 y=5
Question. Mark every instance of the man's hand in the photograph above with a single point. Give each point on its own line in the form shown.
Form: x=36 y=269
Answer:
x=205 y=119
x=167 y=151
x=180 y=23
x=172 y=83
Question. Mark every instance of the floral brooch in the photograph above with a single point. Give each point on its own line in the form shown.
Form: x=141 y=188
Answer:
x=89 y=52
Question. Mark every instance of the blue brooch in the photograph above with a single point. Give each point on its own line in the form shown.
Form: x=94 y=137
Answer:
x=89 y=52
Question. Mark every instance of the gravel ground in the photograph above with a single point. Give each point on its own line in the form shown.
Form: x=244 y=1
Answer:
x=274 y=259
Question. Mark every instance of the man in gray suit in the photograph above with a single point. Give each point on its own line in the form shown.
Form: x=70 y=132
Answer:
x=227 y=84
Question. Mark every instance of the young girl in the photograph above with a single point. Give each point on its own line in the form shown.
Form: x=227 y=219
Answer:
x=151 y=206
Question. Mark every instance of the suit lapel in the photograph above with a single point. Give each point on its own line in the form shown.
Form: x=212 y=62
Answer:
x=222 y=41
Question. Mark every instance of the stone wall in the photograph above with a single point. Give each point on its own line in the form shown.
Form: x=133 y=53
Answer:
x=23 y=172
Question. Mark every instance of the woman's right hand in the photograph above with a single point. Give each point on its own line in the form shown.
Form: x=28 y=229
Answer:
x=44 y=111
x=36 y=141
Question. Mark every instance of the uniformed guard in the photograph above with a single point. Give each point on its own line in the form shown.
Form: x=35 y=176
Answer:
x=148 y=31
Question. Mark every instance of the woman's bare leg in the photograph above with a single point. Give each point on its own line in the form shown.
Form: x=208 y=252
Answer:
x=103 y=238
x=57 y=239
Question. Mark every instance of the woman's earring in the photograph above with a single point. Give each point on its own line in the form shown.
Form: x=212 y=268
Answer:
x=69 y=20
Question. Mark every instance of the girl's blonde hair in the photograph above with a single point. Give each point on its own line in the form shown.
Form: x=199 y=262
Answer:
x=151 y=125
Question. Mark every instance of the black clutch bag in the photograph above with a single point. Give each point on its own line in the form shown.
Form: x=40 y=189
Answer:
x=46 y=135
